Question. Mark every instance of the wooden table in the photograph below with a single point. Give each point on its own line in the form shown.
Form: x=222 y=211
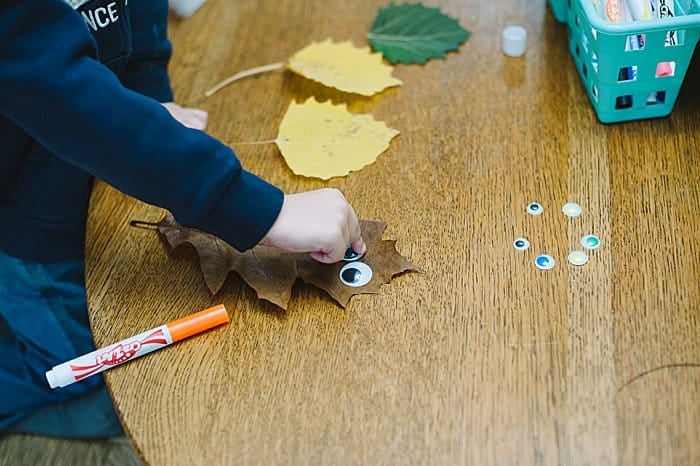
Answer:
x=482 y=358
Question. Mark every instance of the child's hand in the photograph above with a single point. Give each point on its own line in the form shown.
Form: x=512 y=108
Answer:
x=190 y=117
x=320 y=222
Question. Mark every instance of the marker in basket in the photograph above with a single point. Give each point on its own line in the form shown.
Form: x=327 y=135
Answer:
x=615 y=12
x=130 y=348
x=666 y=9
x=638 y=10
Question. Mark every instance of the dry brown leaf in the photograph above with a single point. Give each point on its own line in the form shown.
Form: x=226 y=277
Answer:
x=272 y=273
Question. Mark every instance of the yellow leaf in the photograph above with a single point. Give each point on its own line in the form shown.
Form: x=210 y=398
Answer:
x=343 y=66
x=323 y=140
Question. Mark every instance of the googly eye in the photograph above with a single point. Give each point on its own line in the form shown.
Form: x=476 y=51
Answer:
x=577 y=257
x=355 y=274
x=521 y=244
x=571 y=209
x=590 y=242
x=534 y=208
x=544 y=262
x=351 y=255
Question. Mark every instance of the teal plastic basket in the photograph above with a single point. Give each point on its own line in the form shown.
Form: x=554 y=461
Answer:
x=560 y=8
x=629 y=71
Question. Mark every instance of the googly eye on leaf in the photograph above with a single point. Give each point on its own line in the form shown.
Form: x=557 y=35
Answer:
x=351 y=255
x=355 y=274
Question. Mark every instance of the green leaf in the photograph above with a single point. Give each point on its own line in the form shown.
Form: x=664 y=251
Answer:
x=413 y=33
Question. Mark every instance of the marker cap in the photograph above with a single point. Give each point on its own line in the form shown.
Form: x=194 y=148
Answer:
x=198 y=322
x=59 y=376
x=514 y=38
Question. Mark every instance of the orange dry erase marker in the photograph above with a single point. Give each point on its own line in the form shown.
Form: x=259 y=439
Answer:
x=131 y=348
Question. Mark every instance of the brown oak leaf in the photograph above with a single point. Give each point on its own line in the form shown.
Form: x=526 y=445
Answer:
x=272 y=273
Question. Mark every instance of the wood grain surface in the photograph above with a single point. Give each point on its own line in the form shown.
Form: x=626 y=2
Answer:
x=482 y=359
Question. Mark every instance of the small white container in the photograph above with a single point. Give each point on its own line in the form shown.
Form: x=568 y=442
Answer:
x=514 y=39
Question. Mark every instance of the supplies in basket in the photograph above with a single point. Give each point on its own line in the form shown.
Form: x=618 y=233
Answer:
x=632 y=55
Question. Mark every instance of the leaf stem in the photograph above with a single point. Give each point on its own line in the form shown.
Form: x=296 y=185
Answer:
x=142 y=223
x=253 y=143
x=161 y=224
x=243 y=74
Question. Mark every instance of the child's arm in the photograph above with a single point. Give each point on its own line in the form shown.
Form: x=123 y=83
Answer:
x=55 y=90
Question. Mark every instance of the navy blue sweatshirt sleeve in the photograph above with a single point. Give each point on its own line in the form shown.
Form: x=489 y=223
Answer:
x=147 y=69
x=52 y=86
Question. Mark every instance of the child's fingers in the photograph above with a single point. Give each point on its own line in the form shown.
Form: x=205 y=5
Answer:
x=353 y=226
x=359 y=246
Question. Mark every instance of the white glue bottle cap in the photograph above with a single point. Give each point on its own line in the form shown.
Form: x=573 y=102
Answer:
x=514 y=38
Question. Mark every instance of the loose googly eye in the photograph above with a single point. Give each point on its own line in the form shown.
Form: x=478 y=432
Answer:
x=355 y=274
x=534 y=208
x=590 y=242
x=351 y=255
x=544 y=262
x=577 y=257
x=571 y=209
x=521 y=244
